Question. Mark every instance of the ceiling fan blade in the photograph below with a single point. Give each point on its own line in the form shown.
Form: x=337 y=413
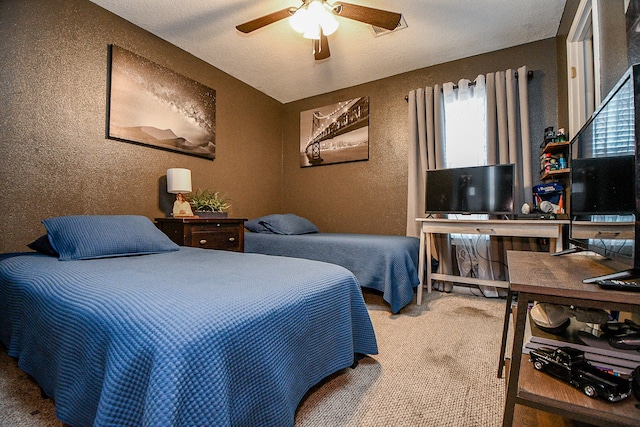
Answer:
x=368 y=15
x=263 y=21
x=321 y=47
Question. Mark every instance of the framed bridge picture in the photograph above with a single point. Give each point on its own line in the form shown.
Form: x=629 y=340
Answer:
x=336 y=133
x=151 y=105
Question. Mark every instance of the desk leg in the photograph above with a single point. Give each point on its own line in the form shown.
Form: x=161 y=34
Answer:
x=428 y=241
x=505 y=332
x=516 y=359
x=421 y=256
x=555 y=244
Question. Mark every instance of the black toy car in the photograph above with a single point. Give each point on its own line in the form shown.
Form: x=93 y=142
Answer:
x=570 y=365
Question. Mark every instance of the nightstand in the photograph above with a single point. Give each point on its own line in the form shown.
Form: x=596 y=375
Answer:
x=209 y=233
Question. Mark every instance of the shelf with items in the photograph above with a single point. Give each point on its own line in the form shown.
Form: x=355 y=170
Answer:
x=554 y=160
x=555 y=147
x=555 y=174
x=553 y=395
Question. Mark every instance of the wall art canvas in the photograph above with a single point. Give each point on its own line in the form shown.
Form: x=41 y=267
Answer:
x=335 y=133
x=151 y=105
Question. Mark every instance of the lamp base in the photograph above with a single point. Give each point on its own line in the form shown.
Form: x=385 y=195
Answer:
x=181 y=207
x=180 y=216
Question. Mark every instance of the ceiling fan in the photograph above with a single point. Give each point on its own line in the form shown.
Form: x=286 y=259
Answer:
x=316 y=20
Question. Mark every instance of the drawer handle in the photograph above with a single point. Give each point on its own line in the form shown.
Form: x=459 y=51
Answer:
x=232 y=239
x=203 y=242
x=486 y=230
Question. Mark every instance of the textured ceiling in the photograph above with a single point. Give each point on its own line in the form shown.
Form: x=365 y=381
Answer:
x=279 y=62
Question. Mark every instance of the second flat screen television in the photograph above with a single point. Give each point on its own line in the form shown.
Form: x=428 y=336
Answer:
x=470 y=190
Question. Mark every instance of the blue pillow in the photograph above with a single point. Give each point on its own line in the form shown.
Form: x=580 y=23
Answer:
x=42 y=245
x=100 y=236
x=256 y=226
x=287 y=224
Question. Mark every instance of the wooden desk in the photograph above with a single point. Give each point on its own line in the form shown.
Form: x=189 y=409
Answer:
x=551 y=229
x=536 y=276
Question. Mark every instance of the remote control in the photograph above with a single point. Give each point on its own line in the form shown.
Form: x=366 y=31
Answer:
x=620 y=285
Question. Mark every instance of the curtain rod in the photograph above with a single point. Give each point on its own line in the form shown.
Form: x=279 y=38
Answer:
x=529 y=77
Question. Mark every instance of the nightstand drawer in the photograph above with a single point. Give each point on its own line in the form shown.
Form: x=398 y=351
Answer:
x=216 y=236
x=223 y=233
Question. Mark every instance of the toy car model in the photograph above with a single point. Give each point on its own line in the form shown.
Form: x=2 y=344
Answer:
x=570 y=365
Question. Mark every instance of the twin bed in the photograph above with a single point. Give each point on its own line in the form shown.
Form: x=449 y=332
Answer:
x=122 y=327
x=388 y=264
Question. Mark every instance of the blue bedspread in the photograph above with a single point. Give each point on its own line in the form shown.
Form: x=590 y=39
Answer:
x=388 y=264
x=189 y=338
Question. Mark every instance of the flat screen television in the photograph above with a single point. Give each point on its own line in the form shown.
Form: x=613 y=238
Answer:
x=604 y=193
x=470 y=190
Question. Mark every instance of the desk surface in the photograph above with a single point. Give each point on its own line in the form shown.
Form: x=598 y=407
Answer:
x=496 y=221
x=541 y=273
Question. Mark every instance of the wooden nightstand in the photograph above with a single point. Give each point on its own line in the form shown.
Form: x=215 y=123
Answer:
x=209 y=233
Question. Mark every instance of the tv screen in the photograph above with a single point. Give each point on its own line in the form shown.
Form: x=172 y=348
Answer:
x=602 y=185
x=471 y=190
x=603 y=191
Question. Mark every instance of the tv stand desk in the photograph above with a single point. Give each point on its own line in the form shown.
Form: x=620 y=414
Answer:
x=558 y=280
x=546 y=228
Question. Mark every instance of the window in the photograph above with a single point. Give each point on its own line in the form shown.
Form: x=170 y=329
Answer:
x=465 y=126
x=465 y=115
x=466 y=145
x=613 y=127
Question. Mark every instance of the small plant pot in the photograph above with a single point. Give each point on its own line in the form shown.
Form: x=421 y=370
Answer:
x=203 y=214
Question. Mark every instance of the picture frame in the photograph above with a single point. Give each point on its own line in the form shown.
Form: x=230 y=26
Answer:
x=335 y=133
x=150 y=105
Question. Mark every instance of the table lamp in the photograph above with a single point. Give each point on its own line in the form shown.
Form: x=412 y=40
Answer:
x=179 y=182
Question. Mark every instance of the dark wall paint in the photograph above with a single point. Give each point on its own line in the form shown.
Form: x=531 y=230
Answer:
x=55 y=159
x=370 y=196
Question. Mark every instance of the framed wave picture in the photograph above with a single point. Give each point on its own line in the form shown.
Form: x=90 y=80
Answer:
x=153 y=106
x=335 y=133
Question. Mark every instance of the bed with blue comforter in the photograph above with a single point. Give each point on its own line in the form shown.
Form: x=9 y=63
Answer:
x=388 y=264
x=178 y=337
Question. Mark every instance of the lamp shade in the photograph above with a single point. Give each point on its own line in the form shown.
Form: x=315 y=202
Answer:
x=178 y=180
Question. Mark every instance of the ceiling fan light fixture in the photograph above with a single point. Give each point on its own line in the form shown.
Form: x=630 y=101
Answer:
x=298 y=20
x=329 y=23
x=313 y=16
x=316 y=19
x=312 y=32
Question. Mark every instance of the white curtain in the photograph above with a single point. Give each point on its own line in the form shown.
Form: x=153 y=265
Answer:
x=508 y=141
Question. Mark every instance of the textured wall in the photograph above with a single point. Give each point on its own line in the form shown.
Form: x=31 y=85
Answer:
x=370 y=196
x=54 y=158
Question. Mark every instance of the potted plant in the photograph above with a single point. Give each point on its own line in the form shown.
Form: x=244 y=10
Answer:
x=208 y=204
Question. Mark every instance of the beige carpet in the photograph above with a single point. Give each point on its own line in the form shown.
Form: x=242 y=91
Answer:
x=437 y=367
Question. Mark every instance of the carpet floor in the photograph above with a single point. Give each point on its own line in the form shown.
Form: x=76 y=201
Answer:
x=437 y=366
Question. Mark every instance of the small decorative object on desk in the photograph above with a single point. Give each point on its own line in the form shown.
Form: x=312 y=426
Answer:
x=209 y=204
